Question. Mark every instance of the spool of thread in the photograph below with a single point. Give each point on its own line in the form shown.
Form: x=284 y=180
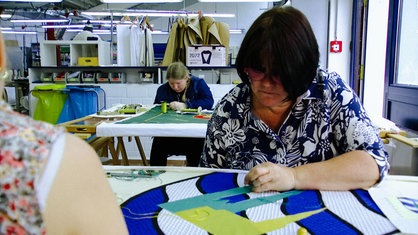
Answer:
x=302 y=231
x=163 y=107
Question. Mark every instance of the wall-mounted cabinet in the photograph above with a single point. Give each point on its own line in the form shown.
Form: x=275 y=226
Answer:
x=68 y=53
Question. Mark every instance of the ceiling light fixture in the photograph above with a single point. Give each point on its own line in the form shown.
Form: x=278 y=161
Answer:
x=63 y=26
x=152 y=13
x=239 y=1
x=101 y=21
x=5 y=15
x=236 y=31
x=106 y=31
x=96 y=31
x=19 y=32
x=40 y=21
x=139 y=1
x=32 y=1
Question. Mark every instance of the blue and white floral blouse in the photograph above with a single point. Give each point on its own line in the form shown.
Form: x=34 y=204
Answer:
x=324 y=122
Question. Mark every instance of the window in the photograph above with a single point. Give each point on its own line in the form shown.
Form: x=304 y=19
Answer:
x=407 y=72
x=401 y=101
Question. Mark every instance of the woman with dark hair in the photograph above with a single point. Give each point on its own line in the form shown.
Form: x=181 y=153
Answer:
x=290 y=123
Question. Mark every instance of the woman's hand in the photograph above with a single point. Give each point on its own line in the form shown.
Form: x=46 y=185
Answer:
x=269 y=176
x=175 y=105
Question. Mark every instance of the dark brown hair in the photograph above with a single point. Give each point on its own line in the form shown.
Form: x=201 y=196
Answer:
x=281 y=42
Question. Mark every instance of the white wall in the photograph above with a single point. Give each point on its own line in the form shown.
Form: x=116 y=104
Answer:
x=340 y=29
x=339 y=13
x=317 y=14
x=374 y=69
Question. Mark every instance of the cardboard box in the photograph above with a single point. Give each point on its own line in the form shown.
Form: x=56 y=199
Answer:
x=88 y=61
x=206 y=55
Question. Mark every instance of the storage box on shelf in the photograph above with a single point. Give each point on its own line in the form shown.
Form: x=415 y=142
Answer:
x=88 y=61
x=206 y=55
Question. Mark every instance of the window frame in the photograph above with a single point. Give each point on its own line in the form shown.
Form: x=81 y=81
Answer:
x=401 y=101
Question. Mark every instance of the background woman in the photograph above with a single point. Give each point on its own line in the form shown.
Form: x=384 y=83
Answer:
x=181 y=91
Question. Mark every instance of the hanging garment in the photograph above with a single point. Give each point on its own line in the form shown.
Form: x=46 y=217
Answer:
x=172 y=44
x=197 y=31
x=146 y=56
x=135 y=46
x=136 y=43
x=123 y=45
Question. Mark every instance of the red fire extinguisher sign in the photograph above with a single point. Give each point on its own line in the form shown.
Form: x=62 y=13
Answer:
x=336 y=46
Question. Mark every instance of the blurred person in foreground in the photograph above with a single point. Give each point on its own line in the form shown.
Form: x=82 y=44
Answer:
x=182 y=90
x=290 y=123
x=52 y=182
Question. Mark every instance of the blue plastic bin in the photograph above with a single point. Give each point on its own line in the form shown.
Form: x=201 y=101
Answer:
x=82 y=101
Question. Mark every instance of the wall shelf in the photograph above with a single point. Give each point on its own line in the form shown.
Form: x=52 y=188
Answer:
x=50 y=52
x=138 y=75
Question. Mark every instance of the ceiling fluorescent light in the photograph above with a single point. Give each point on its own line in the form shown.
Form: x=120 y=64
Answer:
x=32 y=1
x=18 y=32
x=40 y=21
x=239 y=1
x=96 y=31
x=139 y=1
x=236 y=31
x=220 y=15
x=5 y=15
x=152 y=13
x=63 y=26
x=101 y=21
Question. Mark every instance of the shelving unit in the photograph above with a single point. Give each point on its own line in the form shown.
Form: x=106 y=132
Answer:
x=50 y=56
x=49 y=52
x=127 y=74
x=136 y=75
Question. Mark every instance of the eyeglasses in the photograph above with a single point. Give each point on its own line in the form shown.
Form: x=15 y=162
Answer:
x=257 y=75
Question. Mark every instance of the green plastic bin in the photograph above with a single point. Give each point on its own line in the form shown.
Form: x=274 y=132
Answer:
x=51 y=100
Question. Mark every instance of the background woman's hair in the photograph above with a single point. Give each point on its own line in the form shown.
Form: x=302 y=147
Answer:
x=177 y=70
x=281 y=42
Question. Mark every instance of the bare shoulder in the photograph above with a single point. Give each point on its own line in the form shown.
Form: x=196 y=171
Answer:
x=79 y=188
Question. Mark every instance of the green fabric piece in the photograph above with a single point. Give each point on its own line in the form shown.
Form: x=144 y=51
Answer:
x=219 y=200
x=215 y=214
x=225 y=222
x=155 y=115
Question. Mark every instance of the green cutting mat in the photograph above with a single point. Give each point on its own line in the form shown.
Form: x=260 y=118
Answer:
x=154 y=115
